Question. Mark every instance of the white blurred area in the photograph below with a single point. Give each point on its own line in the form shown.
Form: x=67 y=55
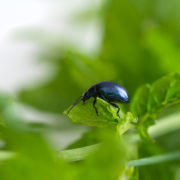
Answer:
x=18 y=57
x=18 y=66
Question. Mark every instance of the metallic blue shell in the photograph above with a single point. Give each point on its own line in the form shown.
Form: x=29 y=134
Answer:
x=112 y=91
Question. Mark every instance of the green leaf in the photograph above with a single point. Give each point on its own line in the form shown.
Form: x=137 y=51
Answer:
x=85 y=113
x=107 y=116
x=139 y=103
x=107 y=162
x=150 y=100
x=33 y=160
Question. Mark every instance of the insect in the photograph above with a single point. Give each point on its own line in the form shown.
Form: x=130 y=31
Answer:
x=108 y=91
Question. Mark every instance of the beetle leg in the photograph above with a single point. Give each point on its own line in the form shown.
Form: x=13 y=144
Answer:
x=102 y=97
x=115 y=105
x=94 y=102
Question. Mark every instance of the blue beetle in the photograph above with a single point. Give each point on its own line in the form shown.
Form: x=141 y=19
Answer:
x=108 y=91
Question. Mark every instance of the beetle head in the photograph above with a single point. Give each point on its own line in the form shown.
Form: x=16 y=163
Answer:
x=85 y=96
x=89 y=93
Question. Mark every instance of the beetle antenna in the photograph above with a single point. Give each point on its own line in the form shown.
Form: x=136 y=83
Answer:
x=76 y=102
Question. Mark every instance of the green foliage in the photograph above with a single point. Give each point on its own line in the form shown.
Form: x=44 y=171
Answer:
x=107 y=115
x=159 y=171
x=79 y=71
x=35 y=160
x=105 y=160
x=89 y=138
x=4 y=102
x=150 y=100
x=137 y=48
x=140 y=50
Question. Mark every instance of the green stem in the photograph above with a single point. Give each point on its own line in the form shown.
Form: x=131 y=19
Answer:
x=155 y=159
x=78 y=153
x=166 y=125
x=6 y=155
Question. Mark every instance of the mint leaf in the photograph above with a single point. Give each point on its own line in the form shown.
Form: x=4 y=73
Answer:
x=107 y=162
x=85 y=113
x=150 y=100
x=139 y=103
x=107 y=116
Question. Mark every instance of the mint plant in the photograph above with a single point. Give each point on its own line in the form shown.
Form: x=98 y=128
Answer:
x=139 y=49
x=112 y=154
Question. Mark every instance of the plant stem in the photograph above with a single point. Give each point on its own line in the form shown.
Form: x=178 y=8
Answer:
x=166 y=125
x=155 y=159
x=78 y=153
x=6 y=155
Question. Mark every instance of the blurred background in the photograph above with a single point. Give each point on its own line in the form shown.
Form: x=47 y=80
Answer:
x=53 y=18
x=53 y=51
x=28 y=29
